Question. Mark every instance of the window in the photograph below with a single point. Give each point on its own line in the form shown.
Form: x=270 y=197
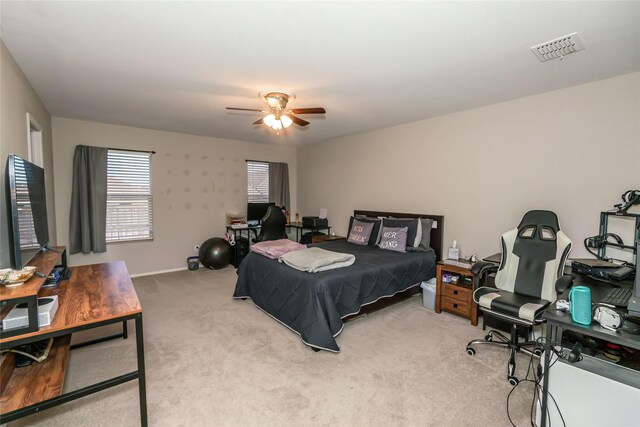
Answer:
x=257 y=182
x=26 y=225
x=129 y=201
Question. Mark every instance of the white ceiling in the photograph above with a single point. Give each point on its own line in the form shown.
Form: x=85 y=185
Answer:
x=175 y=65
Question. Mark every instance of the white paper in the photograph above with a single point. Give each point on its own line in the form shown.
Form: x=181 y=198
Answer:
x=323 y=213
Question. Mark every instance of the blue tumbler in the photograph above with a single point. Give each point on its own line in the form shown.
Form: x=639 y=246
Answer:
x=580 y=298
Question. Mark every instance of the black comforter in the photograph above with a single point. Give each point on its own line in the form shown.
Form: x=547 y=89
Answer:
x=313 y=304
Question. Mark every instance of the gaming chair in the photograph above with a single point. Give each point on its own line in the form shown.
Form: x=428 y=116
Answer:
x=529 y=277
x=273 y=225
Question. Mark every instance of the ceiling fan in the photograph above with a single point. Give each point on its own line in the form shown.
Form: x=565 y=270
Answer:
x=278 y=116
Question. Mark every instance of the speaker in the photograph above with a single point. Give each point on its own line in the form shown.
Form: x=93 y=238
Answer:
x=239 y=251
x=580 y=298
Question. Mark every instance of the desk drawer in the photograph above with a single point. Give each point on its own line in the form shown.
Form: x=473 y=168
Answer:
x=456 y=306
x=457 y=293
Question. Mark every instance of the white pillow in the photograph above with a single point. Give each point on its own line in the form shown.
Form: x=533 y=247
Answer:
x=418 y=234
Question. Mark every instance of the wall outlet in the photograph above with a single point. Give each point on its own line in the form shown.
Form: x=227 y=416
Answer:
x=196 y=248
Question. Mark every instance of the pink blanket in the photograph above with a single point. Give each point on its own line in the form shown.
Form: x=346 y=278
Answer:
x=274 y=249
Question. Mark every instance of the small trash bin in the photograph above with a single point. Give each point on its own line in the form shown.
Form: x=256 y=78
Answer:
x=429 y=294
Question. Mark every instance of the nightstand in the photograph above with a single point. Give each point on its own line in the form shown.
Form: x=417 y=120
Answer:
x=454 y=292
x=325 y=238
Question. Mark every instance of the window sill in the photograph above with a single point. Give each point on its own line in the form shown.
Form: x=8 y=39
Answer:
x=148 y=239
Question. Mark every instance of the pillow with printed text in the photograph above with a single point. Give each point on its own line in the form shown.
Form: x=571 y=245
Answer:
x=360 y=232
x=393 y=239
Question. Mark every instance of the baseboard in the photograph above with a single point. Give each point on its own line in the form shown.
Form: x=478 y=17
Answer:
x=150 y=273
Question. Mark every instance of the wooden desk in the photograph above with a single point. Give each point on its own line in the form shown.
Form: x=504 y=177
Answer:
x=95 y=295
x=27 y=293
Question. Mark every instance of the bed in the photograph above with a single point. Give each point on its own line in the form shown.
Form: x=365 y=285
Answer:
x=315 y=305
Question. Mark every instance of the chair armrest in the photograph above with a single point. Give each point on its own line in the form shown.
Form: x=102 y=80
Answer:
x=481 y=267
x=563 y=283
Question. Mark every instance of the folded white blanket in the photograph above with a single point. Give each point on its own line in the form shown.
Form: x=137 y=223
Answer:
x=314 y=260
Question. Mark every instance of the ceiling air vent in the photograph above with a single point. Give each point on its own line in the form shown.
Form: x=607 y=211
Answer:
x=558 y=48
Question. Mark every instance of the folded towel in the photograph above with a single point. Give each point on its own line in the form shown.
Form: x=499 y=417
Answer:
x=276 y=248
x=315 y=260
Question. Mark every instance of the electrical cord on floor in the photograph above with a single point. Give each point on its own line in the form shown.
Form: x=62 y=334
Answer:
x=537 y=387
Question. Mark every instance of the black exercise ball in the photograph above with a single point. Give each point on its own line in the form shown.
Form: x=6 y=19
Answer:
x=215 y=253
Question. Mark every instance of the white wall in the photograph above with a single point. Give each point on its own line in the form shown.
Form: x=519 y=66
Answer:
x=195 y=181
x=17 y=98
x=573 y=151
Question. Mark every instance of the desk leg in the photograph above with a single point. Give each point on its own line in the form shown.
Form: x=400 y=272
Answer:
x=142 y=384
x=545 y=380
x=125 y=330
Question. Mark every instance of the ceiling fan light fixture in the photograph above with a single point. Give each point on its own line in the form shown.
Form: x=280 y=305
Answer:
x=273 y=103
x=280 y=115
x=277 y=124
x=286 y=121
x=269 y=120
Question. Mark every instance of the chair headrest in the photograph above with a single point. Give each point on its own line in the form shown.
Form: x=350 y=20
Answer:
x=273 y=212
x=545 y=218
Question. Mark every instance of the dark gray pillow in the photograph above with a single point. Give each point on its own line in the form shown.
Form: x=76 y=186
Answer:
x=410 y=223
x=393 y=238
x=427 y=225
x=360 y=232
x=375 y=232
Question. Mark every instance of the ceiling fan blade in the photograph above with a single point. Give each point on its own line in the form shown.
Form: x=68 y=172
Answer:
x=315 y=110
x=244 y=109
x=258 y=122
x=298 y=120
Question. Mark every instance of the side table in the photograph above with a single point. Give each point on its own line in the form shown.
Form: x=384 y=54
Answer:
x=454 y=292
x=325 y=238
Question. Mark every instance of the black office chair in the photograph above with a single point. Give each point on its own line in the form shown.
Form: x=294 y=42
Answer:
x=529 y=278
x=273 y=225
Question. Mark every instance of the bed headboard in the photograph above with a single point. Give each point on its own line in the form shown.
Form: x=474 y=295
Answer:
x=437 y=233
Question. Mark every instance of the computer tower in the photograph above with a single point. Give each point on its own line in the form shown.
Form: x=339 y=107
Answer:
x=239 y=251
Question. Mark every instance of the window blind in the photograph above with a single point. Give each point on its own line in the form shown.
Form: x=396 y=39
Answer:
x=27 y=228
x=129 y=198
x=257 y=182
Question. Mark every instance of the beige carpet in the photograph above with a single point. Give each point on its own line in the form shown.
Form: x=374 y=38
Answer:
x=215 y=361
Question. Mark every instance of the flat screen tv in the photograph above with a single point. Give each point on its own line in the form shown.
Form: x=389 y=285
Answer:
x=27 y=210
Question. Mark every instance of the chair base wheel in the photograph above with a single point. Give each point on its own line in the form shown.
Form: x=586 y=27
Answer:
x=488 y=337
x=471 y=351
x=513 y=381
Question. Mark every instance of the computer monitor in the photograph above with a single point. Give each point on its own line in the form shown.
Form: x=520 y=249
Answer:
x=256 y=211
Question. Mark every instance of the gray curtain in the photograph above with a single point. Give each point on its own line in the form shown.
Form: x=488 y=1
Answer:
x=88 y=217
x=279 y=184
